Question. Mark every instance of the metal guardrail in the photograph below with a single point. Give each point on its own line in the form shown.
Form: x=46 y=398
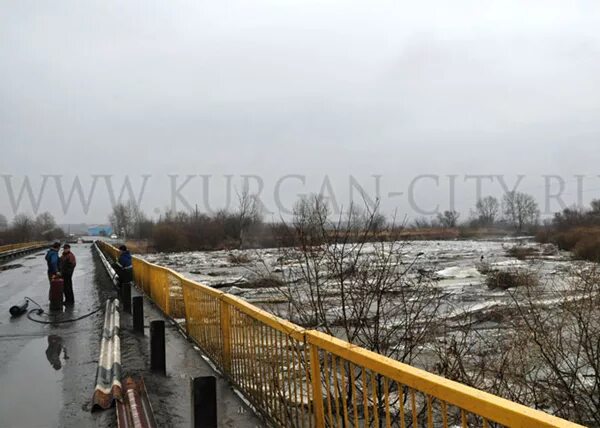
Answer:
x=108 y=375
x=304 y=378
x=7 y=251
x=109 y=269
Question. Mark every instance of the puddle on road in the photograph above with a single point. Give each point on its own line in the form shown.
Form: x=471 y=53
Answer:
x=32 y=384
x=9 y=267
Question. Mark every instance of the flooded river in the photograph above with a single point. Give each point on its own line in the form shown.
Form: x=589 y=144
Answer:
x=458 y=268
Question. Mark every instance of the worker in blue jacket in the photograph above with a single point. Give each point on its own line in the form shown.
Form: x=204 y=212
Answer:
x=124 y=265
x=53 y=260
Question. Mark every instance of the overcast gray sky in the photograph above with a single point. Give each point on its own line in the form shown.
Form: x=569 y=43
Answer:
x=323 y=89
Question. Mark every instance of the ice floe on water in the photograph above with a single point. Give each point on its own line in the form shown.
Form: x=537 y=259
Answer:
x=459 y=268
x=458 y=272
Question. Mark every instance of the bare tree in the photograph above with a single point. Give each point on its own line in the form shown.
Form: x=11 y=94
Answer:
x=46 y=227
x=122 y=218
x=448 y=219
x=23 y=228
x=248 y=214
x=352 y=283
x=422 y=223
x=3 y=223
x=45 y=224
x=487 y=210
x=360 y=218
x=521 y=210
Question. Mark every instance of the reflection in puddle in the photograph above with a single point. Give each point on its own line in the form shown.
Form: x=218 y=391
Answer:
x=35 y=397
x=53 y=353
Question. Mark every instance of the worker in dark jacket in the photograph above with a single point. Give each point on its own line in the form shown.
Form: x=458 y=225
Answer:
x=53 y=260
x=67 y=266
x=124 y=265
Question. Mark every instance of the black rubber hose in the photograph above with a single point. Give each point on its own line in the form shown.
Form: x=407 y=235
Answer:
x=39 y=311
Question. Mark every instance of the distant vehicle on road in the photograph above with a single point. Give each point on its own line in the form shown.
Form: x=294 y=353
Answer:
x=72 y=239
x=113 y=236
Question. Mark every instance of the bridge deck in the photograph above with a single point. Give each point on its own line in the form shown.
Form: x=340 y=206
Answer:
x=48 y=372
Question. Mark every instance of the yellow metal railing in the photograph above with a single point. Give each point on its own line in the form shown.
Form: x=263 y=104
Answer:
x=21 y=246
x=305 y=378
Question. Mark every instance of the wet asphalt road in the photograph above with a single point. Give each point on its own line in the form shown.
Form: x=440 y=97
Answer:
x=47 y=372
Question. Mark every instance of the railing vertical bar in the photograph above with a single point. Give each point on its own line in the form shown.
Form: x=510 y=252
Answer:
x=271 y=369
x=317 y=395
x=365 y=395
x=326 y=373
x=264 y=359
x=258 y=385
x=246 y=351
x=241 y=348
x=429 y=412
x=233 y=332
x=336 y=390
x=280 y=377
x=291 y=399
x=214 y=330
x=250 y=353
x=344 y=371
x=310 y=392
x=236 y=360
x=444 y=414
x=375 y=392
x=386 y=393
x=225 y=336
x=401 y=403
x=256 y=366
x=354 y=393
x=413 y=405
x=299 y=384
x=278 y=374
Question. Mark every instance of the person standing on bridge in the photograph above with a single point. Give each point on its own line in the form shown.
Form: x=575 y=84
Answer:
x=124 y=266
x=53 y=260
x=67 y=266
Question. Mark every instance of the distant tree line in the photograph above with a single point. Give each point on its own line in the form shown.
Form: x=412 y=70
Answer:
x=245 y=227
x=516 y=211
x=25 y=228
x=183 y=231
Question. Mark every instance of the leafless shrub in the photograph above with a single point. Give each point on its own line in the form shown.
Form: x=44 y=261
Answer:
x=588 y=248
x=546 y=354
x=513 y=278
x=356 y=286
x=564 y=340
x=522 y=252
x=269 y=281
x=238 y=258
x=354 y=281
